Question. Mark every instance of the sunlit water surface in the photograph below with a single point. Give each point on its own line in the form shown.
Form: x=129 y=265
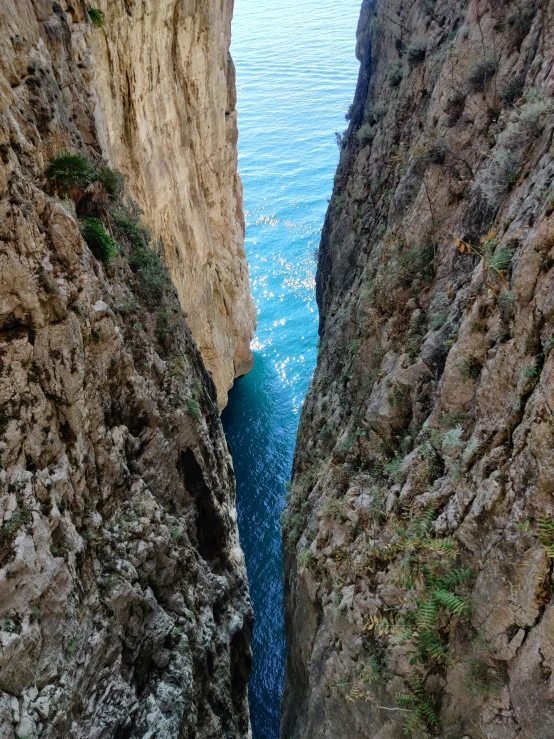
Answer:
x=296 y=74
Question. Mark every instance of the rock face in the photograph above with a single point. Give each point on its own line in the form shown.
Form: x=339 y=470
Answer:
x=124 y=606
x=165 y=83
x=419 y=534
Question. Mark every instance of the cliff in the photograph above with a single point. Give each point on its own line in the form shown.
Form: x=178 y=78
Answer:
x=419 y=533
x=165 y=85
x=124 y=606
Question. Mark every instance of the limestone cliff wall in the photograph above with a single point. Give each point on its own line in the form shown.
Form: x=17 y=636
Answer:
x=124 y=606
x=420 y=527
x=166 y=116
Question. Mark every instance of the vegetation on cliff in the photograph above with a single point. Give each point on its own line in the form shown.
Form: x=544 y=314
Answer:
x=418 y=528
x=124 y=606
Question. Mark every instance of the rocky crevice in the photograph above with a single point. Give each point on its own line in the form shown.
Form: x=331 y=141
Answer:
x=419 y=529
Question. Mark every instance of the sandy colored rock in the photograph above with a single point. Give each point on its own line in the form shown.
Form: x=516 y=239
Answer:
x=165 y=90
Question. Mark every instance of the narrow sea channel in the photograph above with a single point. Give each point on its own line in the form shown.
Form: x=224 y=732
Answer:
x=296 y=74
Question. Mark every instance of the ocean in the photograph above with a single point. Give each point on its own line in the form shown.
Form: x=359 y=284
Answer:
x=296 y=75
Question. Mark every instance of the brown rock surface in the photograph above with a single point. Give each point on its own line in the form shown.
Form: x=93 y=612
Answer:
x=419 y=532
x=124 y=606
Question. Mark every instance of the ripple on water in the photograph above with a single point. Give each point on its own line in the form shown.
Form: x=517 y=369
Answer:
x=296 y=74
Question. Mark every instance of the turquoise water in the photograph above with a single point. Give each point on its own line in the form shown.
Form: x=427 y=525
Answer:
x=296 y=74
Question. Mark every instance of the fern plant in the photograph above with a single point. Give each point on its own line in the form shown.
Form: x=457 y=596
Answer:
x=545 y=528
x=375 y=671
x=429 y=646
x=427 y=614
x=424 y=566
x=420 y=523
x=454 y=578
x=452 y=603
x=425 y=569
x=446 y=547
x=423 y=709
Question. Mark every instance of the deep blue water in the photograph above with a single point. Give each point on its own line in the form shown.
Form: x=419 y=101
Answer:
x=296 y=74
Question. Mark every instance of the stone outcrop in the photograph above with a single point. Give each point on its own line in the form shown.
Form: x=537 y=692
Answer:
x=124 y=606
x=419 y=534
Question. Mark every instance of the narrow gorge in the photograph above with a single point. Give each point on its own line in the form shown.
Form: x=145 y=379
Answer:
x=401 y=584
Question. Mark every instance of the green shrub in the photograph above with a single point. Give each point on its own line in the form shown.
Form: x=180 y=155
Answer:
x=175 y=535
x=129 y=305
x=99 y=241
x=305 y=559
x=20 y=517
x=393 y=469
x=520 y=20
x=416 y=50
x=481 y=71
x=501 y=173
x=128 y=231
x=416 y=260
x=135 y=241
x=520 y=132
x=365 y=134
x=162 y=325
x=469 y=368
x=452 y=439
x=506 y=298
x=96 y=17
x=112 y=180
x=530 y=124
x=151 y=271
x=376 y=113
x=177 y=366
x=549 y=204
x=512 y=89
x=396 y=74
x=438 y=320
x=67 y=170
x=534 y=95
x=72 y=646
x=193 y=407
x=499 y=261
x=9 y=625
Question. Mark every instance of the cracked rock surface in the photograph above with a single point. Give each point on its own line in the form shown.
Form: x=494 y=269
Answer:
x=124 y=605
x=420 y=523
